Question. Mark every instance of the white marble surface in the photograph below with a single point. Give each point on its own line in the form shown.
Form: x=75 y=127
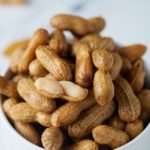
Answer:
x=127 y=21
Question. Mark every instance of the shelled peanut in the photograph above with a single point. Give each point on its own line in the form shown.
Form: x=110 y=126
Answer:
x=83 y=92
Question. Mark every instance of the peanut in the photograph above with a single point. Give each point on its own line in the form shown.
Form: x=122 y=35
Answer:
x=15 y=59
x=89 y=119
x=8 y=87
x=40 y=37
x=103 y=87
x=136 y=76
x=36 y=69
x=84 y=66
x=58 y=42
x=126 y=66
x=28 y=92
x=51 y=77
x=133 y=52
x=144 y=97
x=60 y=89
x=116 y=122
x=129 y=107
x=117 y=65
x=18 y=77
x=28 y=132
x=69 y=112
x=104 y=134
x=83 y=145
x=102 y=59
x=21 y=44
x=53 y=63
x=52 y=138
x=22 y=112
x=77 y=25
x=25 y=129
x=133 y=129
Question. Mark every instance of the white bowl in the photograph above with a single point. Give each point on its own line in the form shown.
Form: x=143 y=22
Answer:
x=136 y=144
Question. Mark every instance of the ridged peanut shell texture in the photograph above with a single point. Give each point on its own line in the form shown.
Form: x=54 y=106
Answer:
x=89 y=119
x=103 y=87
x=129 y=106
x=52 y=138
x=53 y=63
x=29 y=93
x=104 y=134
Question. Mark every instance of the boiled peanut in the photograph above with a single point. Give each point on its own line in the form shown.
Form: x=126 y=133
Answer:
x=144 y=97
x=8 y=87
x=84 y=66
x=116 y=122
x=133 y=129
x=22 y=112
x=52 y=138
x=69 y=23
x=104 y=134
x=53 y=63
x=136 y=76
x=102 y=59
x=16 y=56
x=40 y=37
x=129 y=107
x=21 y=44
x=36 y=69
x=58 y=42
x=28 y=92
x=103 y=87
x=83 y=145
x=69 y=112
x=28 y=132
x=133 y=52
x=117 y=65
x=89 y=119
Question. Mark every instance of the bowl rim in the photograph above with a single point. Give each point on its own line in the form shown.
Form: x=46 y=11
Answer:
x=27 y=142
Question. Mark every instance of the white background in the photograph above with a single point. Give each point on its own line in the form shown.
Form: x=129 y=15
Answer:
x=128 y=21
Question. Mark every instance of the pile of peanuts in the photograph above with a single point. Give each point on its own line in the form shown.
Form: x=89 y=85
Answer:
x=78 y=93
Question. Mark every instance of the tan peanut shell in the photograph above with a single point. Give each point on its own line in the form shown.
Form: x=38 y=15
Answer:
x=52 y=138
x=53 y=63
x=19 y=77
x=136 y=76
x=15 y=58
x=126 y=66
x=84 y=66
x=144 y=97
x=36 y=69
x=28 y=132
x=8 y=87
x=85 y=144
x=102 y=59
x=133 y=129
x=58 y=42
x=69 y=23
x=117 y=65
x=133 y=52
x=70 y=111
x=89 y=119
x=28 y=92
x=22 y=112
x=103 y=87
x=129 y=107
x=98 y=23
x=104 y=134
x=40 y=37
x=116 y=122
x=21 y=44
x=51 y=77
